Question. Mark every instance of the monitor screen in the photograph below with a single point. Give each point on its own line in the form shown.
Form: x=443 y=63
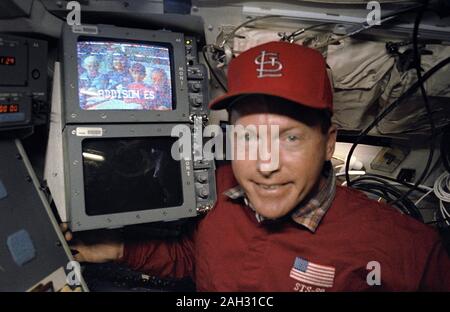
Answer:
x=116 y=75
x=130 y=174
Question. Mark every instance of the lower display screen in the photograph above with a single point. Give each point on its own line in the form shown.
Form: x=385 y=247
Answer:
x=130 y=174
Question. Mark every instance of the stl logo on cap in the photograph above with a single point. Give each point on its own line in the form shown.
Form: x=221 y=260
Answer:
x=269 y=65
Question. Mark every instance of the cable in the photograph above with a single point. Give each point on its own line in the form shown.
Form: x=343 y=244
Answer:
x=384 y=189
x=417 y=62
x=233 y=32
x=445 y=147
x=365 y=25
x=423 y=197
x=369 y=177
x=213 y=72
x=388 y=192
x=291 y=38
x=438 y=221
x=379 y=176
x=444 y=212
x=421 y=188
x=442 y=187
x=388 y=109
x=366 y=131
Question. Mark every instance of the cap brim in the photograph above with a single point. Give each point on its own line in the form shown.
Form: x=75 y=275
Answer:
x=224 y=101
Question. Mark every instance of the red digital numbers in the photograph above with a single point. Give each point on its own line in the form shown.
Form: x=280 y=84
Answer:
x=11 y=108
x=14 y=108
x=7 y=60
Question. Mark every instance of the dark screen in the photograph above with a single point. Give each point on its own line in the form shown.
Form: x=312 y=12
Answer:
x=130 y=174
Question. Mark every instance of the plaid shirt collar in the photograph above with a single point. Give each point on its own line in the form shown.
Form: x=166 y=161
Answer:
x=308 y=214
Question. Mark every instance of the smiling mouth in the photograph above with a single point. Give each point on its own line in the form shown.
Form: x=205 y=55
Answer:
x=270 y=186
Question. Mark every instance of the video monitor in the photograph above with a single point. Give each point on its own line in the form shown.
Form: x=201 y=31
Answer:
x=118 y=175
x=123 y=75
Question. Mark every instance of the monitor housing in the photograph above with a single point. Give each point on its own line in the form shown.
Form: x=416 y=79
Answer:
x=120 y=175
x=93 y=154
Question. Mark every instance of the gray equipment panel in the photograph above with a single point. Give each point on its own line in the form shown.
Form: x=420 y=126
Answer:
x=75 y=190
x=23 y=79
x=27 y=75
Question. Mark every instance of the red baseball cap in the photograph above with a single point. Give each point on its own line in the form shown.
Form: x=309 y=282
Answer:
x=286 y=70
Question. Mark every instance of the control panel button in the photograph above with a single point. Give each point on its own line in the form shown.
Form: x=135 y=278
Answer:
x=195 y=87
x=194 y=73
x=36 y=74
x=202 y=178
x=21 y=247
x=203 y=192
x=196 y=101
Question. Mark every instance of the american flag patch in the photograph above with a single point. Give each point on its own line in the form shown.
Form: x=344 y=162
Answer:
x=311 y=273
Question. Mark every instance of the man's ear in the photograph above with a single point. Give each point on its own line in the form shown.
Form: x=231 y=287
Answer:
x=331 y=141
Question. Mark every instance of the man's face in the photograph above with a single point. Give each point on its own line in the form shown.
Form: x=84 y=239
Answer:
x=275 y=191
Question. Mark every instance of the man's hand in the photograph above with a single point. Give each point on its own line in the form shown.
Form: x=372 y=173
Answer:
x=95 y=247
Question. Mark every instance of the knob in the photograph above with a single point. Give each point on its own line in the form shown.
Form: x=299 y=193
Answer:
x=36 y=74
x=203 y=192
x=202 y=178
x=197 y=101
x=195 y=87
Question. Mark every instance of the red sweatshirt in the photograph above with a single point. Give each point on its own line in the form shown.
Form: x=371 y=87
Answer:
x=231 y=251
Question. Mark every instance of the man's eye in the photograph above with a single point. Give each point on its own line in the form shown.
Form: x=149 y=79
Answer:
x=292 y=138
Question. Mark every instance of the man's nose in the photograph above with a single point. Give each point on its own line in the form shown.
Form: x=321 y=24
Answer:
x=267 y=167
x=268 y=156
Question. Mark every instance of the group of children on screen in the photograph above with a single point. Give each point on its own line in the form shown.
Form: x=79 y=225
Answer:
x=125 y=83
